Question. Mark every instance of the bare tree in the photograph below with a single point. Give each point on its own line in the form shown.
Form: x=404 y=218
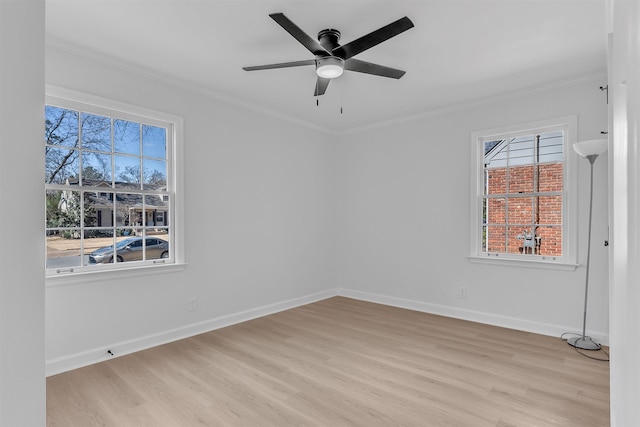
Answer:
x=66 y=131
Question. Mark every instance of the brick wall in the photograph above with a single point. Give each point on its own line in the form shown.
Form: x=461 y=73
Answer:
x=544 y=211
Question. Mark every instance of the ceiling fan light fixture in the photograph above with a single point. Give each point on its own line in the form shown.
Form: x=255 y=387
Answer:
x=329 y=67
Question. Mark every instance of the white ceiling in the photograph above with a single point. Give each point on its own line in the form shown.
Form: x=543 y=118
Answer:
x=459 y=50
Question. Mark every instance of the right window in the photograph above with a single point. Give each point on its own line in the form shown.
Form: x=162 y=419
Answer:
x=522 y=209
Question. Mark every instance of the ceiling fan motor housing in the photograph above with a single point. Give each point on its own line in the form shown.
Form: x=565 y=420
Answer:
x=329 y=67
x=329 y=38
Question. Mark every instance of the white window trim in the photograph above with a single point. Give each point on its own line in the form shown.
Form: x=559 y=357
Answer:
x=569 y=199
x=55 y=95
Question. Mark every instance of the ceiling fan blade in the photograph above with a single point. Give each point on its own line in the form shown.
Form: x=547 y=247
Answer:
x=281 y=65
x=372 y=39
x=370 y=68
x=321 y=86
x=307 y=41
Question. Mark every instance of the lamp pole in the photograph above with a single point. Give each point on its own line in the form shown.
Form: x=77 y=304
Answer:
x=584 y=342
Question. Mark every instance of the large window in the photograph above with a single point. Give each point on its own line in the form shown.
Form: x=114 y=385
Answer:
x=110 y=187
x=522 y=208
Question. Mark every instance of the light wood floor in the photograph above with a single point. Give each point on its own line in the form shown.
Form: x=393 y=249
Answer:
x=341 y=362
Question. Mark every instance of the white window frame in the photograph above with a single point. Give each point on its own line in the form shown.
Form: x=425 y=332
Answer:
x=79 y=101
x=569 y=124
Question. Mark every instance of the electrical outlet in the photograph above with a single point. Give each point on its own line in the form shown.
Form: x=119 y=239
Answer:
x=462 y=292
x=192 y=304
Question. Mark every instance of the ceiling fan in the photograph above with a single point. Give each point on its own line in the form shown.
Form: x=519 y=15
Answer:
x=331 y=58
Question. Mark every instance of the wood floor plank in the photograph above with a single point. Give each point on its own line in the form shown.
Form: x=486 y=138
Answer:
x=341 y=362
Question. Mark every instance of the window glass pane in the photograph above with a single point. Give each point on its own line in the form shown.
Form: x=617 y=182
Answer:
x=126 y=137
x=495 y=154
x=496 y=181
x=96 y=132
x=521 y=150
x=495 y=239
x=155 y=174
x=496 y=211
x=550 y=240
x=62 y=236
x=129 y=249
x=550 y=148
x=128 y=208
x=549 y=210
x=520 y=210
x=127 y=171
x=52 y=208
x=98 y=209
x=63 y=249
x=96 y=168
x=61 y=126
x=521 y=179
x=523 y=241
x=62 y=208
x=61 y=164
x=156 y=248
x=550 y=177
x=154 y=142
x=98 y=245
x=156 y=211
x=484 y=238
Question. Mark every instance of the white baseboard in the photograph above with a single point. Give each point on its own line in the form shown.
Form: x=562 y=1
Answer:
x=474 y=316
x=79 y=360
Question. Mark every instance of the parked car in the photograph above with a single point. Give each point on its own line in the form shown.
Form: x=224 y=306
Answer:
x=131 y=249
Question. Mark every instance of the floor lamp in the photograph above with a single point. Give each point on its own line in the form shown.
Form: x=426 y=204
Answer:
x=590 y=150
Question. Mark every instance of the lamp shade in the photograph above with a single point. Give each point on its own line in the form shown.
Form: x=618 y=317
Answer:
x=592 y=147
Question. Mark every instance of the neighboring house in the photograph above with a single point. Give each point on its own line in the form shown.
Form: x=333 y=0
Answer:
x=523 y=213
x=121 y=204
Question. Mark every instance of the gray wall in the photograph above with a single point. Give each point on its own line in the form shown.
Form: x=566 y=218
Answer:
x=278 y=214
x=405 y=202
x=22 y=373
x=258 y=203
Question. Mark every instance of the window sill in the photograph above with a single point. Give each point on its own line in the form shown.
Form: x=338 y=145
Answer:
x=510 y=262
x=84 y=277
